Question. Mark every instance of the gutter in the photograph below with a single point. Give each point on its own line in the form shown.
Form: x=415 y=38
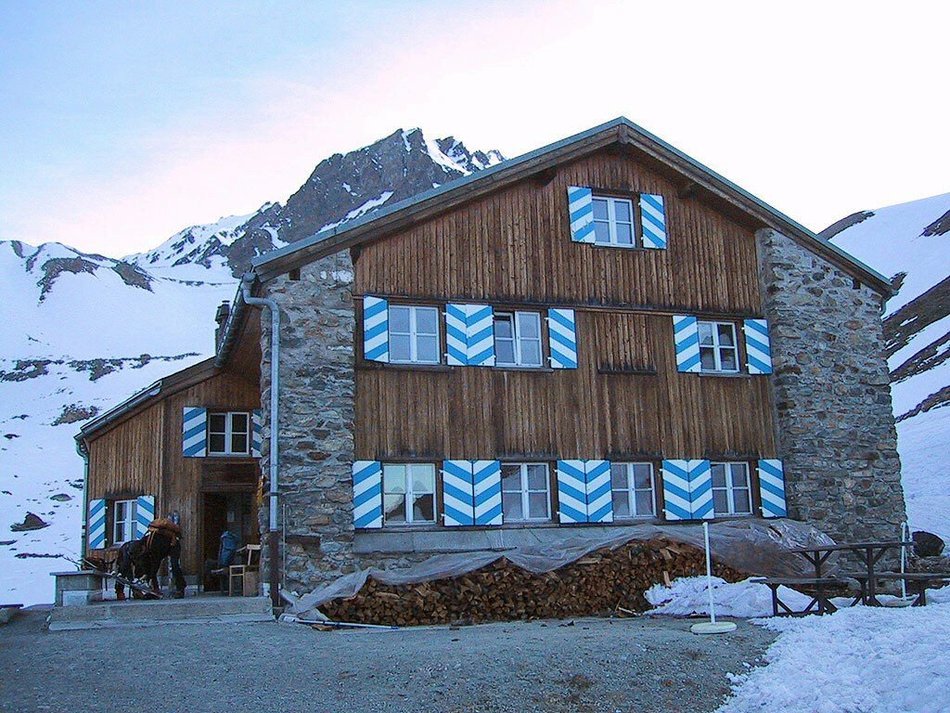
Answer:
x=83 y=451
x=247 y=298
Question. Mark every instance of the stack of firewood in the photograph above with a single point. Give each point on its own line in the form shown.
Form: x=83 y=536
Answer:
x=604 y=582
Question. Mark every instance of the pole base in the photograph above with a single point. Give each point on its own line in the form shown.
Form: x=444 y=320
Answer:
x=710 y=627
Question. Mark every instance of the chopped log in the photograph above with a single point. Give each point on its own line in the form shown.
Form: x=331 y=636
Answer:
x=599 y=584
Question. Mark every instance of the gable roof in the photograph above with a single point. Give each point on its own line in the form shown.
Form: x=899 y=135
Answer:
x=619 y=131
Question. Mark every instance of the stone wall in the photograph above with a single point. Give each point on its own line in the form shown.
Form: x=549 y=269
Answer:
x=316 y=423
x=831 y=393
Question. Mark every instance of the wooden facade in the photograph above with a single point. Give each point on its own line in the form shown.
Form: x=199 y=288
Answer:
x=140 y=453
x=513 y=249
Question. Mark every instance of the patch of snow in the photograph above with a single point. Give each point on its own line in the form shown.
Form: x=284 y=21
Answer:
x=347 y=188
x=446 y=162
x=923 y=445
x=361 y=210
x=859 y=660
x=689 y=596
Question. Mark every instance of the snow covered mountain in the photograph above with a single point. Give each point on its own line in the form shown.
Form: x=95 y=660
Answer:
x=84 y=332
x=911 y=242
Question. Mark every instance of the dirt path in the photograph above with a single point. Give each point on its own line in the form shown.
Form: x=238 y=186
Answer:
x=592 y=665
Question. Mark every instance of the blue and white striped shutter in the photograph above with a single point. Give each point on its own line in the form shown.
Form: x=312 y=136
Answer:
x=194 y=432
x=599 y=499
x=480 y=335
x=686 y=342
x=456 y=335
x=562 y=338
x=96 y=525
x=486 y=476
x=367 y=494
x=653 y=220
x=458 y=493
x=758 y=350
x=572 y=491
x=772 y=488
x=257 y=429
x=678 y=504
x=144 y=514
x=700 y=489
x=580 y=207
x=375 y=329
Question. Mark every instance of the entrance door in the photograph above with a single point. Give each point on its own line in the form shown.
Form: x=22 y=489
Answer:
x=227 y=511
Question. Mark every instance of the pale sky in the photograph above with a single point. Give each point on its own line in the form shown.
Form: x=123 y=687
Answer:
x=122 y=123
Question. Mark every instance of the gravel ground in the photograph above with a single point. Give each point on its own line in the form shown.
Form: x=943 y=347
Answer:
x=641 y=664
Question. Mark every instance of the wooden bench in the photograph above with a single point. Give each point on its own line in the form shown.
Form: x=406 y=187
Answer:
x=7 y=611
x=917 y=583
x=820 y=602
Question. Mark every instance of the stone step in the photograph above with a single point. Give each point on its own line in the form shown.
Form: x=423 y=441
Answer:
x=191 y=610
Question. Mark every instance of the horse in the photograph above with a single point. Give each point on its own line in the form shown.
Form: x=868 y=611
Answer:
x=141 y=559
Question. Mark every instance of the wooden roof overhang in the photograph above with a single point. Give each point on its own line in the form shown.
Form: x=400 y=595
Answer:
x=695 y=180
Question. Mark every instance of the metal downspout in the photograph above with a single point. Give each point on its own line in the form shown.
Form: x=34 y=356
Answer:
x=272 y=531
x=84 y=452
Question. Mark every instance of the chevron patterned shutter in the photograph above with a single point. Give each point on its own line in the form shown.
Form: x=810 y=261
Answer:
x=375 y=329
x=686 y=343
x=700 y=490
x=194 y=432
x=562 y=338
x=486 y=476
x=480 y=335
x=96 y=525
x=456 y=335
x=653 y=220
x=772 y=488
x=758 y=349
x=572 y=491
x=458 y=493
x=257 y=428
x=367 y=494
x=599 y=498
x=676 y=490
x=144 y=514
x=580 y=205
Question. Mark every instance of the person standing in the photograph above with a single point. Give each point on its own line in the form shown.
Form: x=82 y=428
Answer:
x=174 y=560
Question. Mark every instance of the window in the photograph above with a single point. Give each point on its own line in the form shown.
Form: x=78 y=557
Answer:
x=517 y=339
x=613 y=221
x=525 y=492
x=408 y=493
x=123 y=521
x=228 y=433
x=631 y=486
x=731 y=493
x=718 y=350
x=413 y=334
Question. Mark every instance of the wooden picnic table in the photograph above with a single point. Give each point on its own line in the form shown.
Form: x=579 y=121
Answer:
x=869 y=552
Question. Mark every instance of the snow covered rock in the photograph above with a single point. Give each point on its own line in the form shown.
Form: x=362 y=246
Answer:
x=927 y=544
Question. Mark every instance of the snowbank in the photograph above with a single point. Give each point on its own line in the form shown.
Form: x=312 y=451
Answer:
x=688 y=596
x=860 y=660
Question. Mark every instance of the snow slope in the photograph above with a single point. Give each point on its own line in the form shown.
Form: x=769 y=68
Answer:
x=911 y=241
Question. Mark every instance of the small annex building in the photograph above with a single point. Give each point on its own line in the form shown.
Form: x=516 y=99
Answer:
x=597 y=333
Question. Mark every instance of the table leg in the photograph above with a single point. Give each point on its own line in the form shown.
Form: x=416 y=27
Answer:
x=871 y=599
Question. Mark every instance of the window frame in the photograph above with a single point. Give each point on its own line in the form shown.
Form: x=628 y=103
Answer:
x=407 y=499
x=631 y=490
x=229 y=433
x=516 y=338
x=730 y=488
x=716 y=346
x=612 y=222
x=525 y=492
x=414 y=333
x=129 y=522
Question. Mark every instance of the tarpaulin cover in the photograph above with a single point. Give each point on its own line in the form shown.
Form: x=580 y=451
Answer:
x=752 y=546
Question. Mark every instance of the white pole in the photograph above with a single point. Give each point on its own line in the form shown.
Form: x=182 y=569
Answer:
x=905 y=536
x=711 y=626
x=709 y=587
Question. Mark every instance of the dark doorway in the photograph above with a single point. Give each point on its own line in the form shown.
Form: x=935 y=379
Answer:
x=227 y=511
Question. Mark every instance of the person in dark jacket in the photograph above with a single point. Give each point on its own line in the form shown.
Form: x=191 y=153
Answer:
x=174 y=561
